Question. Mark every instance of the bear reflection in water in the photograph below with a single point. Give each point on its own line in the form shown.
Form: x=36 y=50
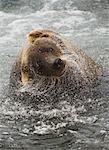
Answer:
x=51 y=69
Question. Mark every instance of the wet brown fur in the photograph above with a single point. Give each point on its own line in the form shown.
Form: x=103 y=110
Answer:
x=79 y=67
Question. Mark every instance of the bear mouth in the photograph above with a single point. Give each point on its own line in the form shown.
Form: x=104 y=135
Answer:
x=63 y=71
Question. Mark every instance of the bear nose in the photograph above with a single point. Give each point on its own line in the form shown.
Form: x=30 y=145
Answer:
x=58 y=63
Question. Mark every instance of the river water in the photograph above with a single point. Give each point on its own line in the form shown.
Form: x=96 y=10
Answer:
x=65 y=127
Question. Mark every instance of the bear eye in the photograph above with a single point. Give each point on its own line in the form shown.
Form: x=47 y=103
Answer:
x=50 y=49
x=42 y=50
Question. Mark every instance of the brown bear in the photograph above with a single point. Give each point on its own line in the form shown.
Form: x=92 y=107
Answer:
x=52 y=69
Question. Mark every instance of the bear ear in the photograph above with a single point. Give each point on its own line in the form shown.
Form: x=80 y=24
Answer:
x=33 y=35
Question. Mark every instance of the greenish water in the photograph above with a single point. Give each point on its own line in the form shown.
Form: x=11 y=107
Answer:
x=66 y=127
